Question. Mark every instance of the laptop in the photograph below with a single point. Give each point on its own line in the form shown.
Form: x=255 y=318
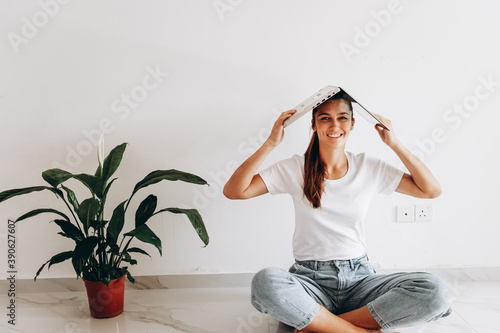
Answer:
x=322 y=96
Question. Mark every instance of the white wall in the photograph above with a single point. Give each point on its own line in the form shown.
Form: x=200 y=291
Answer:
x=224 y=70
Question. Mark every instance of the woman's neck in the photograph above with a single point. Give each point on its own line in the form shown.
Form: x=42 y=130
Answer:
x=335 y=161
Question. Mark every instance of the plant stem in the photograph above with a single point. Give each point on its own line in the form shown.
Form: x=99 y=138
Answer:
x=112 y=258
x=71 y=211
x=100 y=239
x=124 y=249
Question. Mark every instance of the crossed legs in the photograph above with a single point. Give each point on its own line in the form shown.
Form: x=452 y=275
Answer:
x=378 y=301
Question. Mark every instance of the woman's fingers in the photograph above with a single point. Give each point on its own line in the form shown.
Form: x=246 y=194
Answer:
x=386 y=121
x=389 y=137
x=278 y=130
x=287 y=114
x=284 y=116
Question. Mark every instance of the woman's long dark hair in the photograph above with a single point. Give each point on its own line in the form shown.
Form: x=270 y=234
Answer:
x=314 y=167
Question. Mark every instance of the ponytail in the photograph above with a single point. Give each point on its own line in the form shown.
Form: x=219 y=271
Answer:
x=314 y=173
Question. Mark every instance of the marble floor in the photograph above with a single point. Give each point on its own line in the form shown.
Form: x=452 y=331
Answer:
x=220 y=310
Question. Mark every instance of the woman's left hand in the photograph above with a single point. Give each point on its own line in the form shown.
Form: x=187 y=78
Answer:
x=388 y=137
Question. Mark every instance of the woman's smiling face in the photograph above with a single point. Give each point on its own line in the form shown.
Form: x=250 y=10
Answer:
x=333 y=122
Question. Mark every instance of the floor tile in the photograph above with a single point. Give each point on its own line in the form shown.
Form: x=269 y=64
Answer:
x=478 y=303
x=217 y=310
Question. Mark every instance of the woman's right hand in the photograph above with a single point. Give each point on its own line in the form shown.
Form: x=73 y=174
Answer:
x=278 y=130
x=245 y=183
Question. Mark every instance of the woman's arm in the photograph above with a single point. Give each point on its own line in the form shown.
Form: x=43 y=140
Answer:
x=245 y=183
x=419 y=182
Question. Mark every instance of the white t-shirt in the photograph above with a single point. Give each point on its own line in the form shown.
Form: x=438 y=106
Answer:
x=335 y=231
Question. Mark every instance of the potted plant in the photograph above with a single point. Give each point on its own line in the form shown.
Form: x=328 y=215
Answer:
x=100 y=248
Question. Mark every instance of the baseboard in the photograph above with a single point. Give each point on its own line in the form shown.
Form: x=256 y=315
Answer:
x=42 y=285
x=451 y=275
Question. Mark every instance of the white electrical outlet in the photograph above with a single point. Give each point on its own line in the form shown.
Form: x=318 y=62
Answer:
x=423 y=212
x=405 y=213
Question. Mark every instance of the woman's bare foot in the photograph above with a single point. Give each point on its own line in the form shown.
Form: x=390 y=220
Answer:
x=326 y=322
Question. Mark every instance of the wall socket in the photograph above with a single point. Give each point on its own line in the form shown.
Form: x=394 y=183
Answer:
x=414 y=213
x=423 y=212
x=406 y=213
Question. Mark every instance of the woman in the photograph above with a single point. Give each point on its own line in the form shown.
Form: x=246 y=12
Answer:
x=332 y=287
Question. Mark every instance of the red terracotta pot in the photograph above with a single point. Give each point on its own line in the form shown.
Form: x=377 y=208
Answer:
x=105 y=301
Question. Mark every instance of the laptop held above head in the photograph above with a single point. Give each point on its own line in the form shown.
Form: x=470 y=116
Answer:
x=322 y=96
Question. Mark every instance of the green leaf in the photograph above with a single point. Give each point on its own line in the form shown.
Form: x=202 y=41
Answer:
x=172 y=175
x=58 y=258
x=119 y=272
x=112 y=161
x=130 y=277
x=128 y=258
x=146 y=235
x=40 y=211
x=70 y=230
x=40 y=269
x=56 y=176
x=98 y=172
x=131 y=261
x=101 y=247
x=20 y=191
x=87 y=211
x=117 y=221
x=195 y=218
x=138 y=250
x=106 y=279
x=114 y=249
x=71 y=197
x=93 y=183
x=82 y=252
x=91 y=271
x=96 y=224
x=105 y=193
x=146 y=210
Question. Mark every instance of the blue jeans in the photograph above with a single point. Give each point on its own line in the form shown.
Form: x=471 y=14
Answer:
x=394 y=300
